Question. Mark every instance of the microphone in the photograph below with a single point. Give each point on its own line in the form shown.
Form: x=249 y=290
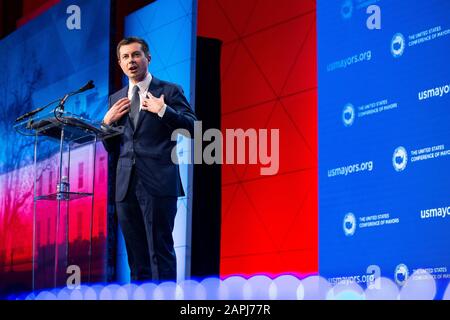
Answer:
x=87 y=86
x=29 y=114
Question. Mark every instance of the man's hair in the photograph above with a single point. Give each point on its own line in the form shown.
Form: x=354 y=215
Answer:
x=130 y=40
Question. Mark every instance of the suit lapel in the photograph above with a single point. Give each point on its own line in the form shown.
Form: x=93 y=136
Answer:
x=155 y=87
x=123 y=93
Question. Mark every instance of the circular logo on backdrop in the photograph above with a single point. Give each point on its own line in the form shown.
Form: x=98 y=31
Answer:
x=398 y=44
x=348 y=115
x=349 y=224
x=401 y=274
x=347 y=9
x=400 y=159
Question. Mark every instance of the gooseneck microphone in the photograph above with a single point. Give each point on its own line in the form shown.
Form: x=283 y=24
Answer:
x=86 y=87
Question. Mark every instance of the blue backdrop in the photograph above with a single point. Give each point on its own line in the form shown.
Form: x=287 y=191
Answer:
x=384 y=139
x=43 y=61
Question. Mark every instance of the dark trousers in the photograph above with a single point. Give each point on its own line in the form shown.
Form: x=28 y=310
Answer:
x=147 y=224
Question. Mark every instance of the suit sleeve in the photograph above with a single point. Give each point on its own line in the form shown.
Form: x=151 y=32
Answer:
x=111 y=144
x=178 y=114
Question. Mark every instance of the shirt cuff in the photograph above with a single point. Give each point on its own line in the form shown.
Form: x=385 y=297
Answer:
x=162 y=111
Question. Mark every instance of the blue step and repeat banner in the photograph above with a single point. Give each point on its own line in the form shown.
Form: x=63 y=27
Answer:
x=384 y=139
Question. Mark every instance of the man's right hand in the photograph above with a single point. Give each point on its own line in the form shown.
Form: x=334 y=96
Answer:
x=121 y=107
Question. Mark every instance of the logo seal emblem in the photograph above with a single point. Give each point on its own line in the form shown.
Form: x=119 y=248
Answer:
x=398 y=45
x=400 y=159
x=401 y=274
x=349 y=224
x=348 y=115
x=347 y=9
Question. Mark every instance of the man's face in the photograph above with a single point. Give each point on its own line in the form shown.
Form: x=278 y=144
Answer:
x=133 y=61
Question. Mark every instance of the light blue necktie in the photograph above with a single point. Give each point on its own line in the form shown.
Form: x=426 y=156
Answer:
x=135 y=104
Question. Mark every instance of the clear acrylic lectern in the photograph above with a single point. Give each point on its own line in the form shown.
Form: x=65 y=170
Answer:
x=57 y=134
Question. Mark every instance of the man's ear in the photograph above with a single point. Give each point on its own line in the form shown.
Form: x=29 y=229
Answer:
x=149 y=57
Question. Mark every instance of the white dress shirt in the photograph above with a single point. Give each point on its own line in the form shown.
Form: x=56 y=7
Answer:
x=143 y=90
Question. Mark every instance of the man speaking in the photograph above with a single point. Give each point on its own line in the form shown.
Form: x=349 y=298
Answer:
x=147 y=181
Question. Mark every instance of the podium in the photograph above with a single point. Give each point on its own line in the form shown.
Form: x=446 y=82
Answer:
x=58 y=137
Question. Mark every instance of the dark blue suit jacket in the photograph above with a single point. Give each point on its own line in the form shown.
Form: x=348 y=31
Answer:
x=148 y=147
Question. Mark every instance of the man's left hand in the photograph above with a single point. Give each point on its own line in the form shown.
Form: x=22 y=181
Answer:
x=153 y=104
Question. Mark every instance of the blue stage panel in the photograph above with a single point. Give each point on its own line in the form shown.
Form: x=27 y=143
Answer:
x=384 y=139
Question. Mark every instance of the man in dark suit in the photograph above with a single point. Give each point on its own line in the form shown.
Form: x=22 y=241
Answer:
x=147 y=180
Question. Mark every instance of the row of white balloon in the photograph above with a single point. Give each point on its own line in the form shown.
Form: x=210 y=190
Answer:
x=419 y=286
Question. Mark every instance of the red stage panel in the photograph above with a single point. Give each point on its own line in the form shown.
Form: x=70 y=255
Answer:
x=276 y=50
x=244 y=85
x=269 y=80
x=255 y=118
x=271 y=12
